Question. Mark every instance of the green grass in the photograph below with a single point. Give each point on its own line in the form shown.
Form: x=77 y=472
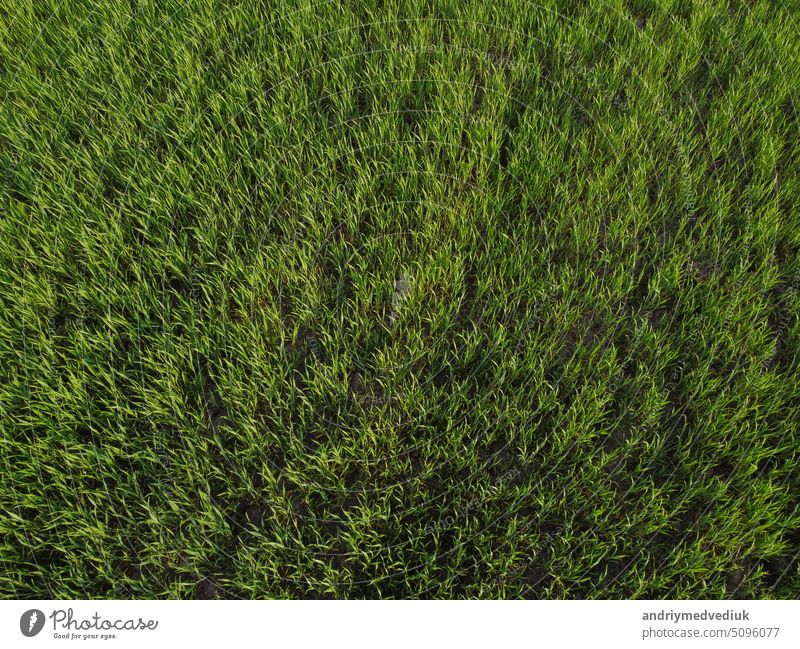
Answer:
x=404 y=299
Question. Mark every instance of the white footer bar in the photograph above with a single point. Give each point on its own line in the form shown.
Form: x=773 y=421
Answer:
x=379 y=625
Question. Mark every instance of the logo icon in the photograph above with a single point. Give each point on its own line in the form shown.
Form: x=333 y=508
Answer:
x=31 y=622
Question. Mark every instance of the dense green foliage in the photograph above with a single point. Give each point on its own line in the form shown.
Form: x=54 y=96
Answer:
x=444 y=298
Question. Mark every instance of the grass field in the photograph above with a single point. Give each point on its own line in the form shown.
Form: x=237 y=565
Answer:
x=432 y=299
